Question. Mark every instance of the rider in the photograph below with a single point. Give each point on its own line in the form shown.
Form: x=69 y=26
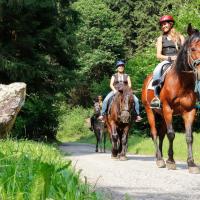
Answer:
x=167 y=46
x=98 y=99
x=118 y=77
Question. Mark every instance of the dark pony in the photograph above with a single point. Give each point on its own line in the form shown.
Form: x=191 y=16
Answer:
x=118 y=121
x=178 y=98
x=99 y=129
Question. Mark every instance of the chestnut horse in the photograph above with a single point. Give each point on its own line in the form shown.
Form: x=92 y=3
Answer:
x=177 y=98
x=118 y=121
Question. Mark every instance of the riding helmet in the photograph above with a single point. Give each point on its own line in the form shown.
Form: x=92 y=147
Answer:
x=120 y=62
x=166 y=18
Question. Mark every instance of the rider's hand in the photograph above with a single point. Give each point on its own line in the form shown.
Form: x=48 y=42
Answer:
x=173 y=57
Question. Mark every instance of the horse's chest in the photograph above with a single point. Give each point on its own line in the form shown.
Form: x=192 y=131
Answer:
x=183 y=103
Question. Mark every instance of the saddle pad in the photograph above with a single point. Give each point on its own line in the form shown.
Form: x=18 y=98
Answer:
x=165 y=68
x=149 y=86
x=164 y=71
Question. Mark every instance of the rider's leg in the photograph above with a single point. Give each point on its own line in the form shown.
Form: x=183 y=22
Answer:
x=137 y=108
x=156 y=80
x=105 y=103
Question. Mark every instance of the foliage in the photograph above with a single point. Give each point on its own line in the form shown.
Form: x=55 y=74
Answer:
x=100 y=88
x=73 y=124
x=100 y=42
x=31 y=170
x=37 y=116
x=37 y=46
x=138 y=21
x=99 y=39
x=65 y=50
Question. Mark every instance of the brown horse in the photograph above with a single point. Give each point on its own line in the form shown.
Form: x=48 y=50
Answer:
x=98 y=126
x=178 y=98
x=118 y=121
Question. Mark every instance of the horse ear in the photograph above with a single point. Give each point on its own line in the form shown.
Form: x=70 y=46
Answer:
x=191 y=30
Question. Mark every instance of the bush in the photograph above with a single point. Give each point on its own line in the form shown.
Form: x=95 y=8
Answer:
x=73 y=124
x=38 y=118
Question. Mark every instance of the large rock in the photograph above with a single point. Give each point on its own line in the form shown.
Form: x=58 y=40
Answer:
x=12 y=98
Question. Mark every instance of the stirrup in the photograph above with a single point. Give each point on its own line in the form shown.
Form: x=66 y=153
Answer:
x=155 y=103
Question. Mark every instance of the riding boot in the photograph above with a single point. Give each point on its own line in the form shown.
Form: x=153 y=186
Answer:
x=155 y=103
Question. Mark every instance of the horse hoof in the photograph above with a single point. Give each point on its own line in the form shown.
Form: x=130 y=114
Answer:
x=171 y=165
x=123 y=158
x=160 y=163
x=114 y=157
x=194 y=170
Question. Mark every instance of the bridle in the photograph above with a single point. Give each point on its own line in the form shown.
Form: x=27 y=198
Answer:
x=125 y=107
x=194 y=62
x=97 y=109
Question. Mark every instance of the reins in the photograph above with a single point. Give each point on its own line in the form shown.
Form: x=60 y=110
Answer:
x=194 y=62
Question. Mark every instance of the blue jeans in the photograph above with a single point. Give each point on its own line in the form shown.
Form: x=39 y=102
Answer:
x=157 y=70
x=197 y=87
x=137 y=105
x=105 y=102
x=109 y=95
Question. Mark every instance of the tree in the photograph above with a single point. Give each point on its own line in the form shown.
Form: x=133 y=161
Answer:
x=38 y=47
x=100 y=41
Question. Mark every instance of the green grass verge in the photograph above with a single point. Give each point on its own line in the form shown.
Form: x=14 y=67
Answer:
x=34 y=171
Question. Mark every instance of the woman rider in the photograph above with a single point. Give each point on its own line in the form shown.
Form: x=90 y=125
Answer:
x=167 y=46
x=120 y=76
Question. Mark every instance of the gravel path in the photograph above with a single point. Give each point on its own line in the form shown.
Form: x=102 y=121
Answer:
x=138 y=178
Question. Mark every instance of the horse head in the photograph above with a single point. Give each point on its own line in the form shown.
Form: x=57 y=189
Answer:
x=126 y=104
x=97 y=108
x=189 y=56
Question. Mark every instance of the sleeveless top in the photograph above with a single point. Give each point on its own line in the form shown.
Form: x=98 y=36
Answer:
x=169 y=47
x=120 y=79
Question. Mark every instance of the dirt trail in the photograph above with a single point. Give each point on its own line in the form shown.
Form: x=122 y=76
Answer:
x=137 y=178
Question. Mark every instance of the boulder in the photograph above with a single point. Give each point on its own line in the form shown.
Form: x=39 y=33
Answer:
x=12 y=98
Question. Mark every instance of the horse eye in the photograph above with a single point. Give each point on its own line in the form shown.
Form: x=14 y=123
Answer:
x=193 y=49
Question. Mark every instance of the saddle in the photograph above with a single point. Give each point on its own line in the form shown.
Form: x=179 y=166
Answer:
x=165 y=68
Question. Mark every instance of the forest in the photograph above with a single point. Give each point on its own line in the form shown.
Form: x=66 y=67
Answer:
x=66 y=50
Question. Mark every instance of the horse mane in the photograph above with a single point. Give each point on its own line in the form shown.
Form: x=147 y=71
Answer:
x=182 y=58
x=127 y=90
x=122 y=92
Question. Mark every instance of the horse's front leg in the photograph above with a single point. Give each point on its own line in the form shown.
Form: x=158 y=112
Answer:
x=151 y=118
x=188 y=118
x=167 y=113
x=114 y=139
x=124 y=141
x=97 y=139
x=104 y=141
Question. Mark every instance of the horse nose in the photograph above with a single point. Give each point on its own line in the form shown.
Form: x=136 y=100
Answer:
x=124 y=117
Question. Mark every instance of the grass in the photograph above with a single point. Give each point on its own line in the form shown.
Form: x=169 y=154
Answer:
x=36 y=171
x=145 y=146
